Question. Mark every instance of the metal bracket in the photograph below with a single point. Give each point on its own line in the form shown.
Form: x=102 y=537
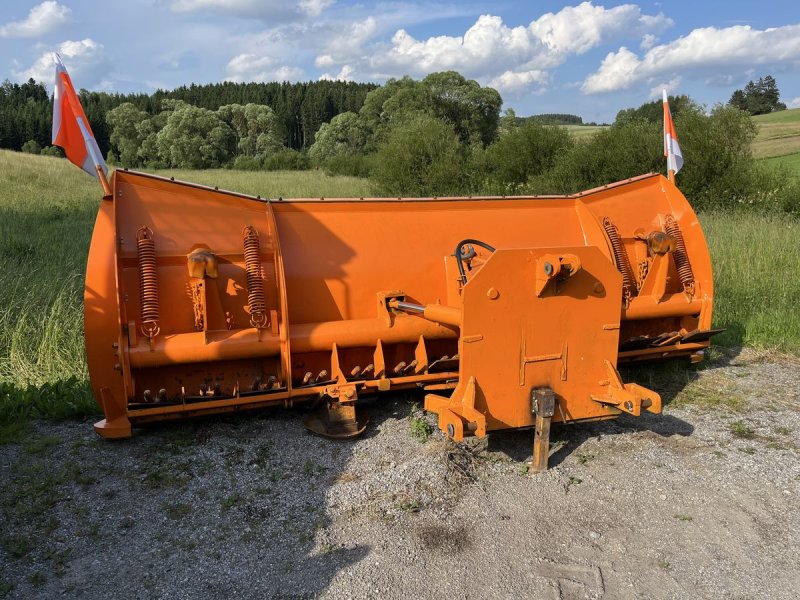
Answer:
x=628 y=397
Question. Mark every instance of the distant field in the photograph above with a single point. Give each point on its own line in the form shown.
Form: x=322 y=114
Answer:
x=778 y=135
x=583 y=131
x=789 y=161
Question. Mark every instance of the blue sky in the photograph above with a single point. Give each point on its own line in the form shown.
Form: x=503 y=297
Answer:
x=589 y=58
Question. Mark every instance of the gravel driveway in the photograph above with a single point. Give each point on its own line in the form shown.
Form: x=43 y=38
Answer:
x=701 y=501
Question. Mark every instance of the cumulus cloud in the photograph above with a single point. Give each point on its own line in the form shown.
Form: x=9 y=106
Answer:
x=513 y=83
x=795 y=103
x=348 y=44
x=345 y=74
x=578 y=29
x=41 y=19
x=671 y=86
x=251 y=67
x=513 y=58
x=705 y=51
x=84 y=59
x=265 y=9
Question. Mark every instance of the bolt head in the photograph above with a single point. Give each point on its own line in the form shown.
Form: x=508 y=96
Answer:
x=548 y=268
x=451 y=431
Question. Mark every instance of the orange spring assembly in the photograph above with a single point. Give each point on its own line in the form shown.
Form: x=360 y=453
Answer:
x=148 y=281
x=255 y=284
x=621 y=259
x=681 y=257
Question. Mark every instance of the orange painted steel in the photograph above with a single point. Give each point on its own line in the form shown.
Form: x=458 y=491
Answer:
x=202 y=301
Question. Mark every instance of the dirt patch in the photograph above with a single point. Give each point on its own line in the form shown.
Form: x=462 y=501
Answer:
x=701 y=501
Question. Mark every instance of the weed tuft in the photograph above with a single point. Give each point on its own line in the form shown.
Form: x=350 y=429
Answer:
x=741 y=430
x=421 y=430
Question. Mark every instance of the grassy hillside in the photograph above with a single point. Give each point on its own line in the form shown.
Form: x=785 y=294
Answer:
x=790 y=162
x=583 y=131
x=778 y=134
x=47 y=211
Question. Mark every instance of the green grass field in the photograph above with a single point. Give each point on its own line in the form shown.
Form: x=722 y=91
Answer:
x=778 y=134
x=47 y=210
x=581 y=132
x=788 y=162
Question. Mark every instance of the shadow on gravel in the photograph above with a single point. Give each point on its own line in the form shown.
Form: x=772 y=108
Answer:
x=668 y=379
x=566 y=439
x=217 y=508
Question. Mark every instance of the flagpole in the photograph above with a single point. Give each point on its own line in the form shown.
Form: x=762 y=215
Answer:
x=669 y=136
x=107 y=193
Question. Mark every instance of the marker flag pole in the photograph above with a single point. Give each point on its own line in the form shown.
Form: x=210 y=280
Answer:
x=71 y=129
x=672 y=149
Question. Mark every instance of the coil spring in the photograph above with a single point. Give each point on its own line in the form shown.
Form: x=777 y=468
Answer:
x=255 y=284
x=621 y=259
x=679 y=253
x=148 y=281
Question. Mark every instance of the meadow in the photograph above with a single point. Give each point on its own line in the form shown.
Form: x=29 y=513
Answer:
x=778 y=134
x=47 y=211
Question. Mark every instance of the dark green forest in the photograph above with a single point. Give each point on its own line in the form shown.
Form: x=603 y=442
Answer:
x=26 y=109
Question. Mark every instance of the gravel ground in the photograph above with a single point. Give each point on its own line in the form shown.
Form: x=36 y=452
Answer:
x=700 y=502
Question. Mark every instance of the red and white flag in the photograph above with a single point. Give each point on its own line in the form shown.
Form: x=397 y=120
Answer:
x=71 y=129
x=672 y=149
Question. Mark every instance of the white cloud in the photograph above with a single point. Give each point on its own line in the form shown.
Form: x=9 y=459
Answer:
x=84 y=59
x=323 y=61
x=314 y=8
x=345 y=74
x=578 y=29
x=251 y=67
x=516 y=82
x=348 y=44
x=706 y=51
x=264 y=9
x=614 y=73
x=795 y=103
x=41 y=19
x=648 y=41
x=513 y=58
x=671 y=86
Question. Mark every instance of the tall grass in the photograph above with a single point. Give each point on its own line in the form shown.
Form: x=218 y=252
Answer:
x=47 y=210
x=756 y=264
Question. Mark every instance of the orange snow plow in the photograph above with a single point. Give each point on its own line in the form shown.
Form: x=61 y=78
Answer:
x=508 y=312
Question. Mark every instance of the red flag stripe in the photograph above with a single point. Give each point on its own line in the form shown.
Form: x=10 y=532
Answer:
x=71 y=129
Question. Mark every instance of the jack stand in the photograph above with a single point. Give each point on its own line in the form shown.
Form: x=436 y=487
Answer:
x=542 y=405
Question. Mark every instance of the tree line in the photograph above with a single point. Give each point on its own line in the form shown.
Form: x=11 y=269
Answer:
x=441 y=135
x=26 y=109
x=444 y=135
x=758 y=97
